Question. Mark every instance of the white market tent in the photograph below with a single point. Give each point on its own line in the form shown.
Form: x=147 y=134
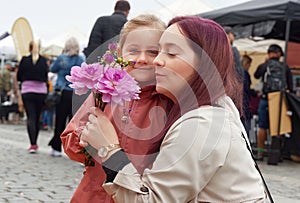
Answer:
x=262 y=46
x=182 y=7
x=54 y=46
x=7 y=50
x=49 y=48
x=7 y=46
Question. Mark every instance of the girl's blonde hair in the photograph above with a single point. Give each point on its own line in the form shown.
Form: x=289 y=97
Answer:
x=145 y=20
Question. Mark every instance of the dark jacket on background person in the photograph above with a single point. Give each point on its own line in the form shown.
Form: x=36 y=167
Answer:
x=261 y=70
x=105 y=28
x=25 y=71
x=248 y=93
x=238 y=65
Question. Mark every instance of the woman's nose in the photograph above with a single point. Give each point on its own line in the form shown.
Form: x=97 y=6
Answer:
x=158 y=61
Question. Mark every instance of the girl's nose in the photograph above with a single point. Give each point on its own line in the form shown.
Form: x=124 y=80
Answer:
x=142 y=58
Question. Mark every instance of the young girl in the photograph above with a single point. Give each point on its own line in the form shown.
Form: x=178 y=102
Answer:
x=203 y=156
x=145 y=116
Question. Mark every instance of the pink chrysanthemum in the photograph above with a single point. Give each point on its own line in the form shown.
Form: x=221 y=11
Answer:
x=85 y=77
x=112 y=47
x=117 y=86
x=108 y=82
x=108 y=58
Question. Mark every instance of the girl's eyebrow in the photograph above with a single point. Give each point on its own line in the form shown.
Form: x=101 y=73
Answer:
x=138 y=45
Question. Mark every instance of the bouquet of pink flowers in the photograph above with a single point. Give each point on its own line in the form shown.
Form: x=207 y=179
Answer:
x=107 y=79
x=109 y=83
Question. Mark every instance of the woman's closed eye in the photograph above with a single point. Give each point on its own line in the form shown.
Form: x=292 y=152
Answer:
x=169 y=53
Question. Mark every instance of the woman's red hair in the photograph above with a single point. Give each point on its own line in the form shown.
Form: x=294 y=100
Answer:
x=216 y=76
x=216 y=70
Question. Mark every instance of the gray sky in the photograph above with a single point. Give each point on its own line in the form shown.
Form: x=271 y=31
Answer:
x=50 y=18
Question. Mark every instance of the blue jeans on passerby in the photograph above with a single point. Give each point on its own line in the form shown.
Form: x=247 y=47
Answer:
x=263 y=114
x=48 y=118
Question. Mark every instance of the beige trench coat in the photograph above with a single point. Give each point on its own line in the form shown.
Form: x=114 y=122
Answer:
x=203 y=158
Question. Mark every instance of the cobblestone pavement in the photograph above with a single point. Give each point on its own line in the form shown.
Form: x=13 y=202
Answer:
x=41 y=178
x=283 y=181
x=37 y=177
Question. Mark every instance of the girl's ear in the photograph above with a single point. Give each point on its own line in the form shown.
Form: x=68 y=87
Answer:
x=119 y=51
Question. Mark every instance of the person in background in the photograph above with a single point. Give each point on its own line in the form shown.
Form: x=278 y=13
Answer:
x=106 y=27
x=5 y=81
x=14 y=95
x=274 y=54
x=5 y=90
x=21 y=109
x=33 y=75
x=248 y=93
x=47 y=119
x=236 y=54
x=63 y=110
x=133 y=45
x=297 y=87
x=204 y=148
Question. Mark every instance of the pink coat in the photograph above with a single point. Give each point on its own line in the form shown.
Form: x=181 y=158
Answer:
x=139 y=136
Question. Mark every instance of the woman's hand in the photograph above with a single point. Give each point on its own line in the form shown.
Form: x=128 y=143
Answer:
x=99 y=131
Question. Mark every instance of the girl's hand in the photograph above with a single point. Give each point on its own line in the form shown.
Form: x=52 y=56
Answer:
x=99 y=131
x=82 y=142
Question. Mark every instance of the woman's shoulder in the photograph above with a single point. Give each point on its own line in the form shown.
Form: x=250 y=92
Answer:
x=81 y=59
x=207 y=115
x=205 y=112
x=25 y=58
x=222 y=111
x=62 y=56
x=43 y=58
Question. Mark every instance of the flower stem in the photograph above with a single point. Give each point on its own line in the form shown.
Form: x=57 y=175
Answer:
x=98 y=101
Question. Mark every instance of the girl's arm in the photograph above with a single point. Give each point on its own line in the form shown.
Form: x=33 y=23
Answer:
x=70 y=137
